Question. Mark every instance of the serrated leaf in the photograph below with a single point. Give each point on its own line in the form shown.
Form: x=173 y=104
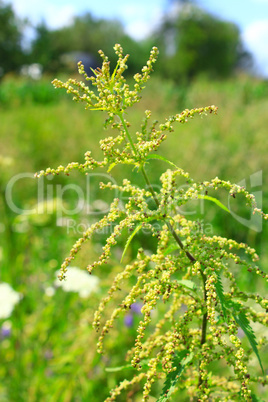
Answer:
x=188 y=284
x=162 y=158
x=180 y=361
x=242 y=320
x=217 y=202
x=220 y=294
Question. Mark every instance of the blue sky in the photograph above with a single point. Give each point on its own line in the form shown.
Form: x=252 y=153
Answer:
x=139 y=17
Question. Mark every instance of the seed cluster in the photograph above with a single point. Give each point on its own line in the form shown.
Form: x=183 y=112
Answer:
x=172 y=280
x=113 y=95
x=191 y=303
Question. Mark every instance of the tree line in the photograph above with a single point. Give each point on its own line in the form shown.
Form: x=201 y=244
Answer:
x=191 y=42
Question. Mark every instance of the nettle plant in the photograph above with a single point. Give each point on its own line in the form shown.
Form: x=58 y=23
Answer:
x=190 y=275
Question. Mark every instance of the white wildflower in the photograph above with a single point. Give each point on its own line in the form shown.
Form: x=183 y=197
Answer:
x=100 y=205
x=8 y=299
x=50 y=291
x=79 y=281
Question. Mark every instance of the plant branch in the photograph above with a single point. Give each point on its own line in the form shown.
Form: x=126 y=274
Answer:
x=128 y=134
x=204 y=321
x=172 y=230
x=175 y=236
x=191 y=258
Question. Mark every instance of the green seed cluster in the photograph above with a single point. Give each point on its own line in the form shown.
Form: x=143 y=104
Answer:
x=89 y=164
x=162 y=278
x=190 y=277
x=113 y=93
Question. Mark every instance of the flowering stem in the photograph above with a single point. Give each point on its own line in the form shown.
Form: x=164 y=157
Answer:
x=128 y=134
x=204 y=322
x=174 y=234
x=191 y=258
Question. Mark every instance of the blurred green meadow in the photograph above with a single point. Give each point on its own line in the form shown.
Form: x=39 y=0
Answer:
x=47 y=344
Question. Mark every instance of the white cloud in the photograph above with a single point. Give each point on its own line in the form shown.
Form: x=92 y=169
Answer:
x=55 y=15
x=139 y=17
x=140 y=22
x=138 y=29
x=255 y=37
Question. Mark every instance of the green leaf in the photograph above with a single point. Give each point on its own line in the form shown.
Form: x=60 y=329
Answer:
x=114 y=369
x=207 y=197
x=162 y=158
x=180 y=361
x=243 y=322
x=125 y=162
x=114 y=72
x=112 y=165
x=137 y=228
x=171 y=248
x=174 y=246
x=255 y=398
x=93 y=71
x=188 y=284
x=220 y=294
x=127 y=366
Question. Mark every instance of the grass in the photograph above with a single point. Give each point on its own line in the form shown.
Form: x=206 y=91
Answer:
x=50 y=354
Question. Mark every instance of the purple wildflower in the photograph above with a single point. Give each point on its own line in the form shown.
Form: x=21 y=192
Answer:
x=128 y=320
x=6 y=329
x=136 y=308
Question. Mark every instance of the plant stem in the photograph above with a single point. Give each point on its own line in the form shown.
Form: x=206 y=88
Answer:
x=128 y=134
x=192 y=259
x=175 y=236
x=204 y=325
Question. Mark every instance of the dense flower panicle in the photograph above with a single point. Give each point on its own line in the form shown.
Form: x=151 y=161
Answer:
x=192 y=307
x=114 y=96
x=157 y=280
